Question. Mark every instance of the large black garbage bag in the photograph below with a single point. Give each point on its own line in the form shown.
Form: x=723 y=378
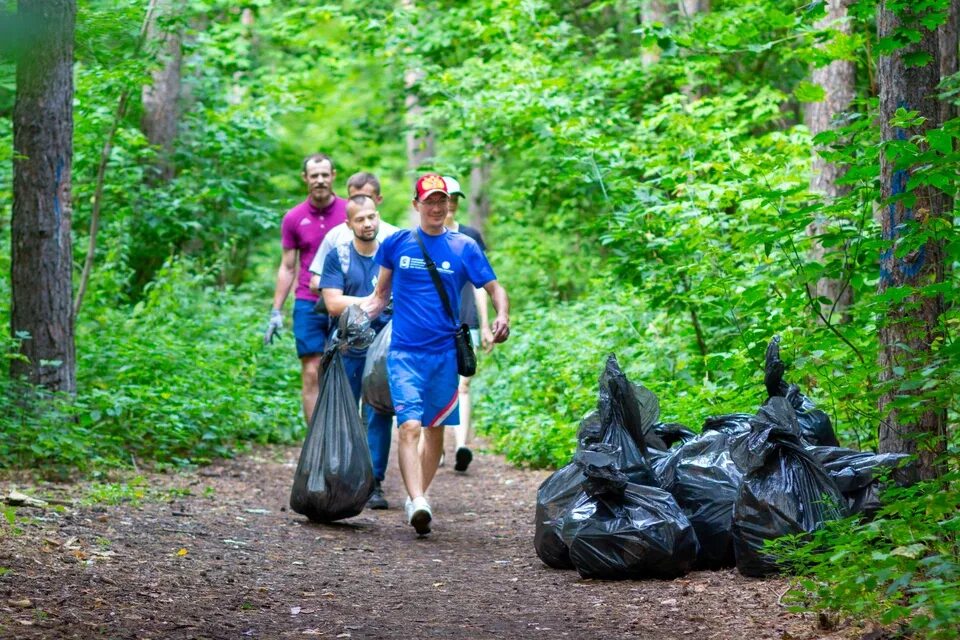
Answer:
x=728 y=423
x=815 y=425
x=375 y=387
x=618 y=423
x=784 y=491
x=616 y=530
x=858 y=474
x=673 y=433
x=704 y=479
x=334 y=476
x=647 y=416
x=554 y=497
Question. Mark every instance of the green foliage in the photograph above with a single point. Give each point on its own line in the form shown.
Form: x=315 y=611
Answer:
x=902 y=566
x=182 y=377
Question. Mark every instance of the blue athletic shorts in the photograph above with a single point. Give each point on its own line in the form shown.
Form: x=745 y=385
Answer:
x=309 y=328
x=424 y=387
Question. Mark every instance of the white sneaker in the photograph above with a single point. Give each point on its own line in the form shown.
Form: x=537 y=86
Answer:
x=408 y=509
x=420 y=515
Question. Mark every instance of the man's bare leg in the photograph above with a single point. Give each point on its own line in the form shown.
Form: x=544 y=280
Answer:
x=409 y=457
x=430 y=451
x=463 y=432
x=310 y=377
x=417 y=509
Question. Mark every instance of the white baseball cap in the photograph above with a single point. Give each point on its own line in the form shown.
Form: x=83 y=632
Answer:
x=453 y=187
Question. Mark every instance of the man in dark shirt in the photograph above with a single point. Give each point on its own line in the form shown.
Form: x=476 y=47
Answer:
x=349 y=274
x=473 y=312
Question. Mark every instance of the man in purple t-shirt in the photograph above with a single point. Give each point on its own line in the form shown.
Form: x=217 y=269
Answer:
x=302 y=230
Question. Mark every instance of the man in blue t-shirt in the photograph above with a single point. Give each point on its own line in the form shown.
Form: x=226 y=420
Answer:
x=422 y=361
x=349 y=274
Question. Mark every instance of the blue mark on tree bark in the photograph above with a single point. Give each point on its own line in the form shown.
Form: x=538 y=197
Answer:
x=910 y=265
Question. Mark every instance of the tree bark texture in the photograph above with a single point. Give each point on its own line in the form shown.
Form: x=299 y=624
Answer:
x=42 y=264
x=838 y=81
x=652 y=11
x=913 y=324
x=161 y=97
x=420 y=144
x=478 y=198
x=689 y=8
x=947 y=35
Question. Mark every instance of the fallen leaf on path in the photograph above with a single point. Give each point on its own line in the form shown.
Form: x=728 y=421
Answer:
x=312 y=632
x=258 y=511
x=438 y=584
x=294 y=611
x=26 y=623
x=20 y=604
x=182 y=552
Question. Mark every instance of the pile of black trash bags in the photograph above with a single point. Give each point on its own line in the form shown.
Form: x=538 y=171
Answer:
x=643 y=499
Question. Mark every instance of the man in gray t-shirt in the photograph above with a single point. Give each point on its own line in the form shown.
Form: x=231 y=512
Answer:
x=473 y=313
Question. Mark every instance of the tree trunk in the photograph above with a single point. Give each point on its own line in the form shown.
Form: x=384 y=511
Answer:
x=420 y=144
x=912 y=325
x=160 y=99
x=689 y=8
x=838 y=81
x=948 y=43
x=652 y=11
x=478 y=199
x=42 y=265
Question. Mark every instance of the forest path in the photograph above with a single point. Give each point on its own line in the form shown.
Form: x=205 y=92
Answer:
x=230 y=560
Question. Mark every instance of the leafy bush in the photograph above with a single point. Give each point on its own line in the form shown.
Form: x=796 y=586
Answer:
x=903 y=567
x=181 y=377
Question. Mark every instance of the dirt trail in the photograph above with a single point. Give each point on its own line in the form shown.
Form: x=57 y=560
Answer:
x=231 y=561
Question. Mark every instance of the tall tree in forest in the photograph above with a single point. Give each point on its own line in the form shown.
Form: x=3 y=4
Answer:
x=478 y=198
x=420 y=143
x=913 y=257
x=652 y=12
x=837 y=79
x=42 y=264
x=160 y=98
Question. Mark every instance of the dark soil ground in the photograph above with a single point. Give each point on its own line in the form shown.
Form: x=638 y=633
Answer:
x=230 y=560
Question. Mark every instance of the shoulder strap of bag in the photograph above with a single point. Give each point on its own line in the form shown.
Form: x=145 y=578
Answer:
x=432 y=268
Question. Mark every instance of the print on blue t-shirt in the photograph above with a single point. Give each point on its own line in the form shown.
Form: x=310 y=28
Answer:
x=420 y=322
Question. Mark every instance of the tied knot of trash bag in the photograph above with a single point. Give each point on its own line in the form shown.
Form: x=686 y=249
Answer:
x=598 y=462
x=354 y=330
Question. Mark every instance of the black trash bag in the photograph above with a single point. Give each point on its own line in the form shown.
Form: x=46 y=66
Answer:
x=554 y=497
x=354 y=330
x=728 y=423
x=673 y=433
x=858 y=474
x=617 y=413
x=815 y=425
x=334 y=477
x=703 y=478
x=647 y=416
x=375 y=387
x=616 y=530
x=784 y=491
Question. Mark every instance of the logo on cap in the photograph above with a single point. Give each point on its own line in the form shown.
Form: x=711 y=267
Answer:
x=430 y=183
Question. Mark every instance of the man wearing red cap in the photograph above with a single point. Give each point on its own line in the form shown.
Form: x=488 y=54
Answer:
x=422 y=362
